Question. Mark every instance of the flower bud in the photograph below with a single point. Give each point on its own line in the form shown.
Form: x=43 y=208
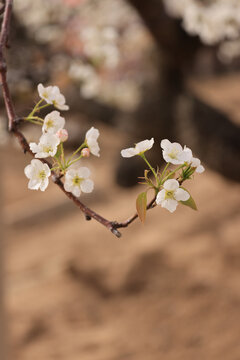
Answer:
x=85 y=152
x=62 y=134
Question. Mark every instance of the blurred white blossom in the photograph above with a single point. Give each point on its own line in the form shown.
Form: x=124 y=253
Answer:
x=212 y=21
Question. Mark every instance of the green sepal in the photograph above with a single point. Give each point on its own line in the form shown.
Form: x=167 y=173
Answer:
x=190 y=202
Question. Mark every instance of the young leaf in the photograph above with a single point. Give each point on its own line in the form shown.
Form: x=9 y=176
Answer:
x=141 y=206
x=190 y=202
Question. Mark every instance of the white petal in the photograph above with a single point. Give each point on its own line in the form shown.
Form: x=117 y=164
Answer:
x=34 y=147
x=83 y=172
x=70 y=174
x=127 y=153
x=44 y=184
x=200 y=169
x=33 y=184
x=176 y=146
x=28 y=171
x=40 y=89
x=160 y=197
x=93 y=146
x=171 y=184
x=47 y=169
x=62 y=107
x=195 y=162
x=93 y=133
x=76 y=191
x=87 y=185
x=144 y=145
x=165 y=144
x=181 y=195
x=68 y=185
x=169 y=159
x=185 y=155
x=170 y=204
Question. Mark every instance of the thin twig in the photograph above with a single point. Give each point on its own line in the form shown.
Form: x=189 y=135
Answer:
x=14 y=122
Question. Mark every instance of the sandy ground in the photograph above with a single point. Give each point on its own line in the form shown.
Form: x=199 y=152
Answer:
x=169 y=289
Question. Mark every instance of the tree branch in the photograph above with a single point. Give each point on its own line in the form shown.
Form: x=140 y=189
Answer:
x=14 y=122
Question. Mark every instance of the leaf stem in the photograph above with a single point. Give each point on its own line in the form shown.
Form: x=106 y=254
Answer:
x=173 y=172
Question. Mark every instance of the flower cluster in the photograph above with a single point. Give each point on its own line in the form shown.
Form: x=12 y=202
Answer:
x=213 y=21
x=50 y=145
x=168 y=189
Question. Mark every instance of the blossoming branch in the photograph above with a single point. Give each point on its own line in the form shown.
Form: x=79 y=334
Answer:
x=67 y=172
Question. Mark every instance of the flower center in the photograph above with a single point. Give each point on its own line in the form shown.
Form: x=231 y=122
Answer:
x=47 y=149
x=49 y=124
x=77 y=180
x=173 y=154
x=42 y=175
x=169 y=194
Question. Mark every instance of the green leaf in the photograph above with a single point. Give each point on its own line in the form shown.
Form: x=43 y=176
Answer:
x=190 y=203
x=141 y=206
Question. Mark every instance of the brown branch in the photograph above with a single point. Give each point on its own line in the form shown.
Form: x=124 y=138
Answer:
x=13 y=125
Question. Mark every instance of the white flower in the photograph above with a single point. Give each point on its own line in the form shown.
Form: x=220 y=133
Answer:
x=91 y=141
x=196 y=163
x=174 y=153
x=53 y=122
x=46 y=147
x=139 y=148
x=52 y=95
x=76 y=180
x=38 y=174
x=169 y=196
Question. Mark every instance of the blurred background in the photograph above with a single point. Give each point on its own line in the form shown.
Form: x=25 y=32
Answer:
x=169 y=288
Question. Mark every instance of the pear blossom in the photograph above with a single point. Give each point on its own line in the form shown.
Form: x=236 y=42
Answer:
x=139 y=148
x=46 y=147
x=53 y=122
x=52 y=95
x=91 y=141
x=171 y=193
x=62 y=134
x=174 y=153
x=38 y=174
x=77 y=181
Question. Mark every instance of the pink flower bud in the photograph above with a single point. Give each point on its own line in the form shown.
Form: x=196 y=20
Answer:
x=62 y=134
x=85 y=152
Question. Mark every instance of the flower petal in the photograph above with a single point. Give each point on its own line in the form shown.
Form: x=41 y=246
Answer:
x=171 y=185
x=160 y=197
x=76 y=191
x=44 y=184
x=127 y=153
x=165 y=144
x=144 y=145
x=181 y=195
x=170 y=204
x=83 y=172
x=87 y=186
